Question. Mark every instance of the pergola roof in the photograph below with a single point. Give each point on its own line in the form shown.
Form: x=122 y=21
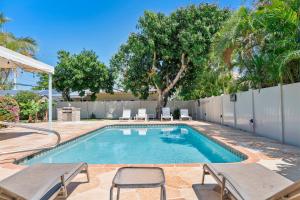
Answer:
x=12 y=59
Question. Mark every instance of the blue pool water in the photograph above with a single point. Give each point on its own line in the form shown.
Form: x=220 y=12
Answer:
x=150 y=144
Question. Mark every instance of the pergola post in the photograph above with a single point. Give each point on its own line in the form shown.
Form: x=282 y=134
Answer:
x=50 y=98
x=15 y=78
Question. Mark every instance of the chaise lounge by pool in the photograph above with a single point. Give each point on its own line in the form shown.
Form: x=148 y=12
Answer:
x=139 y=144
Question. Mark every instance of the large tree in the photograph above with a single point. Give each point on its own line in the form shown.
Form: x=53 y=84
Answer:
x=167 y=50
x=80 y=72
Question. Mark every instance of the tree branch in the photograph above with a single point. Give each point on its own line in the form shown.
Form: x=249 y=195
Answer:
x=178 y=75
x=153 y=71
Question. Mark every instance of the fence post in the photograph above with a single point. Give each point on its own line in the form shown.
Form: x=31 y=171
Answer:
x=253 y=112
x=222 y=109
x=282 y=114
x=234 y=112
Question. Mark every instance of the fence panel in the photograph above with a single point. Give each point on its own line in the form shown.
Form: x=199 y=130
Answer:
x=291 y=101
x=267 y=109
x=203 y=106
x=114 y=109
x=228 y=111
x=244 y=111
x=150 y=106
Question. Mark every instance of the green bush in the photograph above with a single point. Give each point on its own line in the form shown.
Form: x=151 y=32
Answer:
x=176 y=113
x=27 y=102
x=93 y=116
x=9 y=109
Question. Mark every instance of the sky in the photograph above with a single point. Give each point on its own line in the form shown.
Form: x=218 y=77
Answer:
x=73 y=25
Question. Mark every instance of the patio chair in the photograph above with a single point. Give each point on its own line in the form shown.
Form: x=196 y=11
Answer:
x=41 y=181
x=142 y=114
x=166 y=114
x=249 y=181
x=184 y=114
x=126 y=115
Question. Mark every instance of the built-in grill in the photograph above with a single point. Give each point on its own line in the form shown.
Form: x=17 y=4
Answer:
x=68 y=114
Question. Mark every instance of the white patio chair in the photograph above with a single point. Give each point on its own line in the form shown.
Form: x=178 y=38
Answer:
x=184 y=114
x=142 y=114
x=166 y=114
x=126 y=115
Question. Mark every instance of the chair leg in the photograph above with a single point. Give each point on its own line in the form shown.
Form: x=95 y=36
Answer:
x=118 y=194
x=203 y=176
x=87 y=174
x=111 y=193
x=163 y=193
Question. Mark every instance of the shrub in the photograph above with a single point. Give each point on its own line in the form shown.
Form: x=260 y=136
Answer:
x=93 y=116
x=9 y=109
x=26 y=99
x=176 y=113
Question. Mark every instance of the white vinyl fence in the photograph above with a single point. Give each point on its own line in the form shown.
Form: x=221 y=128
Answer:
x=114 y=109
x=274 y=111
x=271 y=112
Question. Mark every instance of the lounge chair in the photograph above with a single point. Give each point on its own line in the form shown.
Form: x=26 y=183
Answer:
x=166 y=114
x=184 y=114
x=142 y=114
x=250 y=182
x=41 y=181
x=126 y=115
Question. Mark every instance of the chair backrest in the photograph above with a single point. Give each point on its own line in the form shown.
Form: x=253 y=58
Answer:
x=127 y=113
x=166 y=111
x=142 y=112
x=184 y=112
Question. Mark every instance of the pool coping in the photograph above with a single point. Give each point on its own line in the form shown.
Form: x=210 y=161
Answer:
x=237 y=150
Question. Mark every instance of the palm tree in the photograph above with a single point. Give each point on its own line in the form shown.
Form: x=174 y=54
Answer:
x=3 y=20
x=23 y=45
x=263 y=43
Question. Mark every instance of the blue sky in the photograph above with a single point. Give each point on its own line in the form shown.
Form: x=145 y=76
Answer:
x=100 y=25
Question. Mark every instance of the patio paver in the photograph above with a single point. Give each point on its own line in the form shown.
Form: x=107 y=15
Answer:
x=283 y=159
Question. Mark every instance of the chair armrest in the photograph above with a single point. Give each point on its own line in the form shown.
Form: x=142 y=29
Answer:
x=231 y=182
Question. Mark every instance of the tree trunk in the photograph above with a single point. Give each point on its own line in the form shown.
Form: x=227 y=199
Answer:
x=66 y=95
x=159 y=105
x=161 y=102
x=164 y=94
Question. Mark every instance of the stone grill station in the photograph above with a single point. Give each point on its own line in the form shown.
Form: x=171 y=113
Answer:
x=68 y=114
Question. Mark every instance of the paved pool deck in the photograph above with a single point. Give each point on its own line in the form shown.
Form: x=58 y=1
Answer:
x=283 y=159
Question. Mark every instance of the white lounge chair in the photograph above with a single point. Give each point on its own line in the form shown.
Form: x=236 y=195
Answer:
x=184 y=114
x=142 y=114
x=166 y=114
x=248 y=181
x=41 y=181
x=126 y=115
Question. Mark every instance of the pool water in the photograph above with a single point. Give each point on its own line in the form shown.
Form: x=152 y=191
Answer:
x=148 y=144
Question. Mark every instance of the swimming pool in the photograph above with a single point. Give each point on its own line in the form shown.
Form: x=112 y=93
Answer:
x=140 y=144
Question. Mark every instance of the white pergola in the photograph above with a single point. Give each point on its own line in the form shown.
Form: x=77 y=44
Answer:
x=12 y=60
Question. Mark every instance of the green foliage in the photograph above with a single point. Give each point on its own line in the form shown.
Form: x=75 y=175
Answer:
x=30 y=109
x=23 y=45
x=9 y=109
x=93 y=116
x=43 y=82
x=167 y=52
x=79 y=73
x=263 y=43
x=26 y=99
x=176 y=113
